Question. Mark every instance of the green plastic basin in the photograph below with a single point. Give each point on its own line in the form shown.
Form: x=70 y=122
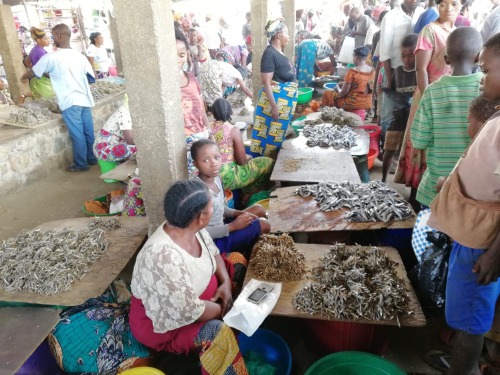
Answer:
x=354 y=363
x=305 y=95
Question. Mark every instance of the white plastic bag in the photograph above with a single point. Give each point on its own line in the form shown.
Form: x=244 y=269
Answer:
x=346 y=51
x=247 y=316
x=419 y=236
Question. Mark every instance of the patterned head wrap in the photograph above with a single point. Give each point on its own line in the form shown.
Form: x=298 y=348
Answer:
x=37 y=33
x=222 y=110
x=361 y=51
x=274 y=26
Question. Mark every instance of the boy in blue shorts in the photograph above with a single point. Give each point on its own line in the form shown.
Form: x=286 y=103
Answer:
x=468 y=210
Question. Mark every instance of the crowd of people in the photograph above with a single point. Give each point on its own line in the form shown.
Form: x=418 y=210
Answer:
x=432 y=77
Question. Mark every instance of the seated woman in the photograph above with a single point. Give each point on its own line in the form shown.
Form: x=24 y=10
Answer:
x=239 y=170
x=181 y=288
x=236 y=56
x=307 y=52
x=218 y=79
x=115 y=142
x=241 y=233
x=355 y=92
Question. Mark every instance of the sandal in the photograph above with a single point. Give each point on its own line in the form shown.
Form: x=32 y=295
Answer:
x=438 y=359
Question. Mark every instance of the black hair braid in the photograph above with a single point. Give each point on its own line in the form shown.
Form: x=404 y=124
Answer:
x=184 y=201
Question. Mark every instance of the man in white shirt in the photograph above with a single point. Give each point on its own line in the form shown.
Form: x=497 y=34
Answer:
x=491 y=25
x=212 y=39
x=69 y=71
x=396 y=24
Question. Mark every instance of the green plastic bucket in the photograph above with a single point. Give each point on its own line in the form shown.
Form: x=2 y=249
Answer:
x=354 y=363
x=107 y=166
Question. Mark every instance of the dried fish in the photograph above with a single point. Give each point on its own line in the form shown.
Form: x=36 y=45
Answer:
x=327 y=135
x=374 y=201
x=336 y=116
x=30 y=116
x=355 y=282
x=277 y=259
x=48 y=262
x=102 y=90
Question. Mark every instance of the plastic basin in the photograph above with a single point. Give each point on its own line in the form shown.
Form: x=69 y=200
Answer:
x=107 y=166
x=330 y=85
x=372 y=155
x=374 y=133
x=305 y=95
x=270 y=347
x=354 y=363
x=99 y=199
x=143 y=371
x=298 y=124
x=264 y=203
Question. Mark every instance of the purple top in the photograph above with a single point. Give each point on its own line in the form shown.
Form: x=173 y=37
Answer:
x=36 y=54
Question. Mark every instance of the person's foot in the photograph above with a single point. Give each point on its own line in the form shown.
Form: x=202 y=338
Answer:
x=75 y=168
x=394 y=166
x=92 y=162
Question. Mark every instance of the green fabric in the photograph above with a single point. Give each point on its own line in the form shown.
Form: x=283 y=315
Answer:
x=258 y=197
x=440 y=128
x=41 y=88
x=256 y=366
x=249 y=177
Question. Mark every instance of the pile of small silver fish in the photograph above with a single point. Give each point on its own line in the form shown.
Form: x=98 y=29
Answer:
x=30 y=116
x=327 y=135
x=355 y=282
x=48 y=262
x=277 y=259
x=336 y=116
x=373 y=201
x=106 y=224
x=102 y=90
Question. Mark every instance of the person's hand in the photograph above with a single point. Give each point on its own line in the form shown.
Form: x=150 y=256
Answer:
x=439 y=183
x=487 y=267
x=275 y=112
x=352 y=34
x=223 y=294
x=241 y=222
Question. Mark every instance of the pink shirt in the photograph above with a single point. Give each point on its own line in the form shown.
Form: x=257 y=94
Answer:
x=222 y=133
x=433 y=38
x=192 y=106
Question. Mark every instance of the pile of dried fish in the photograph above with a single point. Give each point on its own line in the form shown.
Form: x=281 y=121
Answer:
x=102 y=90
x=336 y=116
x=277 y=259
x=48 y=262
x=355 y=282
x=327 y=135
x=374 y=201
x=105 y=224
x=30 y=116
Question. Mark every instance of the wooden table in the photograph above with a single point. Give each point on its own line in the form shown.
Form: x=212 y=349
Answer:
x=313 y=165
x=124 y=242
x=23 y=329
x=292 y=213
x=362 y=144
x=312 y=254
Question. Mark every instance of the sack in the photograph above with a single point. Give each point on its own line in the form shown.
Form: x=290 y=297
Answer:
x=419 y=236
x=346 y=51
x=433 y=273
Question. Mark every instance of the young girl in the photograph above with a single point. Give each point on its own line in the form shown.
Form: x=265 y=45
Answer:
x=239 y=170
x=241 y=233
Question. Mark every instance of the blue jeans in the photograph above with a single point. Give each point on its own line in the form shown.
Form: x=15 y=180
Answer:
x=81 y=131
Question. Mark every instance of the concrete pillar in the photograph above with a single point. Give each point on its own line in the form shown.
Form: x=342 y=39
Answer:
x=11 y=52
x=150 y=65
x=259 y=14
x=116 y=42
x=289 y=16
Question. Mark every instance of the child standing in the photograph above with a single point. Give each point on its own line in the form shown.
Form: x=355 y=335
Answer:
x=468 y=210
x=405 y=83
x=241 y=233
x=440 y=124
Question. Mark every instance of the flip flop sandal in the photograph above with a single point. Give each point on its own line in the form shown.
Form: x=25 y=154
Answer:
x=438 y=359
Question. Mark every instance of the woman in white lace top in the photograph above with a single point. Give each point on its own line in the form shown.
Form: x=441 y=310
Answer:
x=181 y=287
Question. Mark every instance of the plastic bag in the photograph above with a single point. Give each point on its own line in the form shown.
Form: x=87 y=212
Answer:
x=247 y=316
x=433 y=273
x=346 y=51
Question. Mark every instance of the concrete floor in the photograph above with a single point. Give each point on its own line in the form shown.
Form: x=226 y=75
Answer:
x=61 y=195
